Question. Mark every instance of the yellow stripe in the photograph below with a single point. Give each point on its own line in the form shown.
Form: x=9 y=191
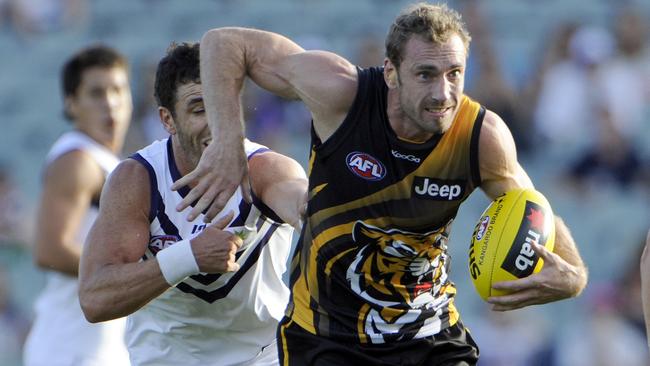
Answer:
x=310 y=164
x=302 y=313
x=330 y=263
x=316 y=189
x=454 y=315
x=285 y=350
x=363 y=312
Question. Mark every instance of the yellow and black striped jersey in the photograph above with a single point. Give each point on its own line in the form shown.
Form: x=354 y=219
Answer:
x=371 y=265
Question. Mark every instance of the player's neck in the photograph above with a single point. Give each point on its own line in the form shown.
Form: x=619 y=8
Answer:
x=182 y=161
x=404 y=128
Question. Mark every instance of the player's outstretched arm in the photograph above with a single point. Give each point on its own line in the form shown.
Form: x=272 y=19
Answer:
x=324 y=81
x=645 y=284
x=281 y=184
x=113 y=282
x=564 y=274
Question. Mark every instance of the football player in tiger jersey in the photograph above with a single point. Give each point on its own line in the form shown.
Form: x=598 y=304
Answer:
x=195 y=294
x=395 y=150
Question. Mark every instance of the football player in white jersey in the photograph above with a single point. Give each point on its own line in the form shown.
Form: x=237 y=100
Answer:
x=194 y=294
x=98 y=102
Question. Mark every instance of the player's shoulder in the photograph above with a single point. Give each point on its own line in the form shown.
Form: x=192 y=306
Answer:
x=495 y=135
x=129 y=182
x=76 y=169
x=129 y=171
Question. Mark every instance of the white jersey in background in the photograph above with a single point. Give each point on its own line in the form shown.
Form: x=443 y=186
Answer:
x=211 y=319
x=61 y=335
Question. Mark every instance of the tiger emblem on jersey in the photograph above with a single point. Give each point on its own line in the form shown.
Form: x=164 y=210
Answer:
x=401 y=276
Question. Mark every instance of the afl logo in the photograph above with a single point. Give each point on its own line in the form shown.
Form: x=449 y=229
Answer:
x=365 y=166
x=482 y=227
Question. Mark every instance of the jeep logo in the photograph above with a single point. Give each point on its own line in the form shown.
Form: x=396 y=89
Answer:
x=438 y=189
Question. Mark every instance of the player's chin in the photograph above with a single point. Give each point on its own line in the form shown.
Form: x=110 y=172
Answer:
x=438 y=125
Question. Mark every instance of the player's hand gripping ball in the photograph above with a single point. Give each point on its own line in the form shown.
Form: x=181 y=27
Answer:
x=501 y=243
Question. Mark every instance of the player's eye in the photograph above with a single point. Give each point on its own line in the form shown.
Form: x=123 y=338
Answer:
x=454 y=74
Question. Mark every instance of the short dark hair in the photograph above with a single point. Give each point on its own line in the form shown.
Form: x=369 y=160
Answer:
x=86 y=58
x=434 y=23
x=179 y=66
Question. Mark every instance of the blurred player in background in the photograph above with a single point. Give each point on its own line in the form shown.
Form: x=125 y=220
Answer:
x=203 y=295
x=97 y=99
x=395 y=150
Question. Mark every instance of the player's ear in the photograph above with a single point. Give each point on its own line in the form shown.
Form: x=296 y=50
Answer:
x=167 y=119
x=390 y=74
x=69 y=107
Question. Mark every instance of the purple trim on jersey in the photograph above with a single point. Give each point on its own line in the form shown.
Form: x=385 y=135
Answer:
x=266 y=210
x=157 y=208
x=221 y=292
x=258 y=151
x=173 y=169
x=153 y=185
x=244 y=211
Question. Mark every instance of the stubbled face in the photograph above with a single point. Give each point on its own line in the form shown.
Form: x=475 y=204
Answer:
x=102 y=105
x=430 y=83
x=191 y=123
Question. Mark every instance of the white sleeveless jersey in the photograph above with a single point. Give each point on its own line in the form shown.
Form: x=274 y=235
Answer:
x=60 y=334
x=210 y=319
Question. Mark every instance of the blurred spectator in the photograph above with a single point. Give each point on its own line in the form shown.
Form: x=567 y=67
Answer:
x=488 y=84
x=146 y=127
x=604 y=337
x=624 y=81
x=554 y=51
x=369 y=51
x=610 y=159
x=4 y=13
x=565 y=114
x=13 y=215
x=620 y=98
x=36 y=17
x=13 y=326
x=513 y=338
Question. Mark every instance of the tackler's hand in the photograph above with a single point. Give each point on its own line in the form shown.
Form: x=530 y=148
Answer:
x=220 y=171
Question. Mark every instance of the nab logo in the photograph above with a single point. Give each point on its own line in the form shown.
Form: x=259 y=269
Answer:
x=365 y=166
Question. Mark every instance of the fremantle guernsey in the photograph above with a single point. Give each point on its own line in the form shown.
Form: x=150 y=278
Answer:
x=60 y=334
x=371 y=265
x=210 y=319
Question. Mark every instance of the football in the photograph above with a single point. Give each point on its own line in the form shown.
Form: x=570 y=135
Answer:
x=500 y=249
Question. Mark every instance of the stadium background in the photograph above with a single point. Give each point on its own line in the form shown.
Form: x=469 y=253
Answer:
x=517 y=40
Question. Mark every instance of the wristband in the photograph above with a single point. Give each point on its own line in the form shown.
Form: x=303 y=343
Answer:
x=177 y=261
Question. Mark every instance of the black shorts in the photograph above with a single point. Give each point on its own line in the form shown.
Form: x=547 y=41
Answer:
x=451 y=347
